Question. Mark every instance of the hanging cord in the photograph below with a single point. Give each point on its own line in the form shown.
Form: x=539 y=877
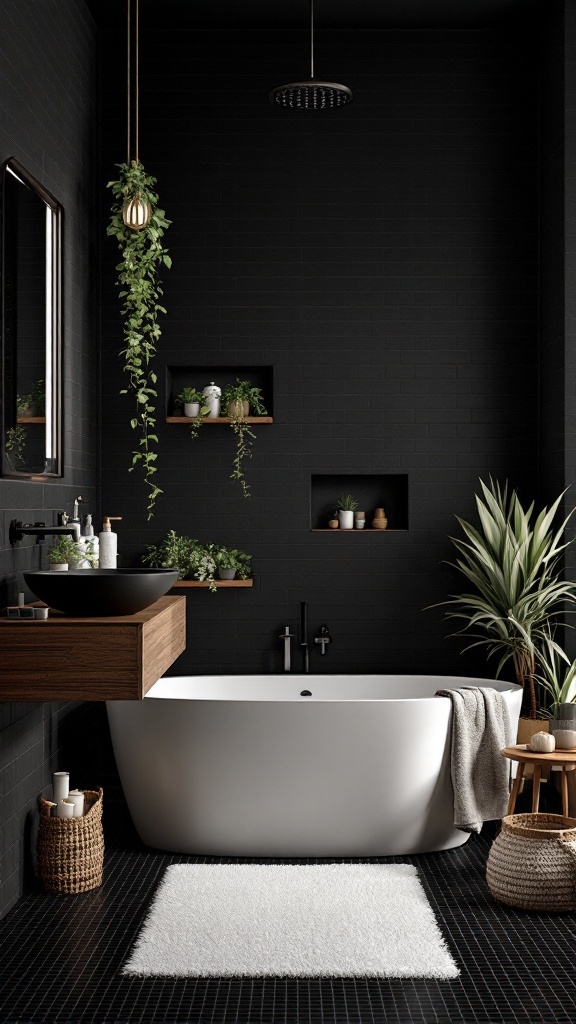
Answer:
x=137 y=97
x=311 y=39
x=128 y=84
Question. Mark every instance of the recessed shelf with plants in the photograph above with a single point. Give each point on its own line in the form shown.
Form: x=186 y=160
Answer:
x=370 y=490
x=240 y=395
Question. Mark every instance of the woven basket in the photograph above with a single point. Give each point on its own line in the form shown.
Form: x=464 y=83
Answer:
x=70 y=851
x=532 y=863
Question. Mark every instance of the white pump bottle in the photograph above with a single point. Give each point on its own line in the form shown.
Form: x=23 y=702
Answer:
x=108 y=544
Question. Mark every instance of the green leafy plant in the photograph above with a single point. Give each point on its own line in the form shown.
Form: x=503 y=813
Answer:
x=186 y=554
x=194 y=560
x=513 y=564
x=193 y=395
x=233 y=558
x=34 y=402
x=142 y=256
x=64 y=550
x=346 y=503
x=233 y=398
x=557 y=675
x=16 y=438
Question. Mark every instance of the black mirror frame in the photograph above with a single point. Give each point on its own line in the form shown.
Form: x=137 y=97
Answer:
x=7 y=346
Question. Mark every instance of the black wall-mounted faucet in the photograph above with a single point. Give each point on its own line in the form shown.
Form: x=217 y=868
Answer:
x=323 y=638
x=19 y=530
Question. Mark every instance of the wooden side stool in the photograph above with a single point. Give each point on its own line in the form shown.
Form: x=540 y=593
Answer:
x=564 y=759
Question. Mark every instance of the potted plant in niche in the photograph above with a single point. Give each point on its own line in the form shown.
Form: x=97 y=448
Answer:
x=63 y=554
x=193 y=403
x=240 y=400
x=346 y=506
x=512 y=562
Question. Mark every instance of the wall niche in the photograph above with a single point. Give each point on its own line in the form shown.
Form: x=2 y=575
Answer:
x=178 y=377
x=371 y=490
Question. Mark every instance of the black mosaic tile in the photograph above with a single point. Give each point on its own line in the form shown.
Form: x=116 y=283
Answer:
x=61 y=959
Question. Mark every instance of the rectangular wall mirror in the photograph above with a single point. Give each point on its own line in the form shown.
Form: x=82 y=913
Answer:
x=31 y=221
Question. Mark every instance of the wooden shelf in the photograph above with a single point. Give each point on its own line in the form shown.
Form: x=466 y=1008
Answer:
x=219 y=419
x=117 y=657
x=216 y=583
x=31 y=419
x=366 y=529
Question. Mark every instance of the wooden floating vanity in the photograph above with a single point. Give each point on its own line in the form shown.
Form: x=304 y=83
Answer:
x=114 y=658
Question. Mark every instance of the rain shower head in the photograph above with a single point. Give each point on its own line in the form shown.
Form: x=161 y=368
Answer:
x=312 y=94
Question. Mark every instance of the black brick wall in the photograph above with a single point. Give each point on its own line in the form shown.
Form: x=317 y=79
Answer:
x=384 y=260
x=47 y=121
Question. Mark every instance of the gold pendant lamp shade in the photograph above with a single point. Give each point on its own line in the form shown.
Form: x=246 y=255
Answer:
x=136 y=211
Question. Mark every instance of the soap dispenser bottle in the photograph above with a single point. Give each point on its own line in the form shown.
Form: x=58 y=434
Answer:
x=108 y=544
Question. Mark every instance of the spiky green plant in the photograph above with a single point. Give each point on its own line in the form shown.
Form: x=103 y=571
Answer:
x=513 y=565
x=557 y=675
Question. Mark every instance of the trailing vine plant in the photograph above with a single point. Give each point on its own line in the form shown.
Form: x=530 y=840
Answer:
x=142 y=255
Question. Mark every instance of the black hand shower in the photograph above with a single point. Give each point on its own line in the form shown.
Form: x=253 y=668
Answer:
x=313 y=94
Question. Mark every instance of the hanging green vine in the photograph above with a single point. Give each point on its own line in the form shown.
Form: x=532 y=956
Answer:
x=142 y=255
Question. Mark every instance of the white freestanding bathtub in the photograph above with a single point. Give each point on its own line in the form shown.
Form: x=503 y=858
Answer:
x=252 y=766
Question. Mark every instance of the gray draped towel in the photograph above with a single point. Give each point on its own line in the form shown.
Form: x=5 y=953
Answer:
x=480 y=775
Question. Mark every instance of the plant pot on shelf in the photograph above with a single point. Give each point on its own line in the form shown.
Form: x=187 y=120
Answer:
x=226 y=574
x=191 y=408
x=238 y=410
x=346 y=519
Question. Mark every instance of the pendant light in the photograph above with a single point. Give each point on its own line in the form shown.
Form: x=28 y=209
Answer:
x=312 y=94
x=136 y=210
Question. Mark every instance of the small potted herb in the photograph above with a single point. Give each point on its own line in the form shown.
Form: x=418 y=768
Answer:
x=231 y=562
x=63 y=554
x=193 y=402
x=346 y=506
x=239 y=400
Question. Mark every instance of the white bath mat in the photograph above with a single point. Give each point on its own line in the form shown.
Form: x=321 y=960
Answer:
x=318 y=920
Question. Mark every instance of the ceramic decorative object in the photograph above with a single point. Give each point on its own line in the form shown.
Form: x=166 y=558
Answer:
x=564 y=733
x=333 y=524
x=359 y=520
x=191 y=408
x=346 y=519
x=380 y=521
x=59 y=567
x=212 y=394
x=226 y=574
x=543 y=743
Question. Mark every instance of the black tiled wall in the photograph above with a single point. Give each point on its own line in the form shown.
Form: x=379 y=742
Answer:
x=47 y=121
x=383 y=259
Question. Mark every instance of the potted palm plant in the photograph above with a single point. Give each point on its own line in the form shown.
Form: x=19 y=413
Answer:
x=239 y=400
x=557 y=677
x=512 y=562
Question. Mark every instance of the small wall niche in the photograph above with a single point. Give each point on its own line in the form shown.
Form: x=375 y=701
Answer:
x=178 y=377
x=371 y=490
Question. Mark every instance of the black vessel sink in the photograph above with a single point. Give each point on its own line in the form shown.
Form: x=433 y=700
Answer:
x=101 y=591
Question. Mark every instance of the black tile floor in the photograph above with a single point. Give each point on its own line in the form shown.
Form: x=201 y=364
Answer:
x=60 y=960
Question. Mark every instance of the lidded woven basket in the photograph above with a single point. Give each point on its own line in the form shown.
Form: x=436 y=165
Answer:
x=70 y=851
x=532 y=862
